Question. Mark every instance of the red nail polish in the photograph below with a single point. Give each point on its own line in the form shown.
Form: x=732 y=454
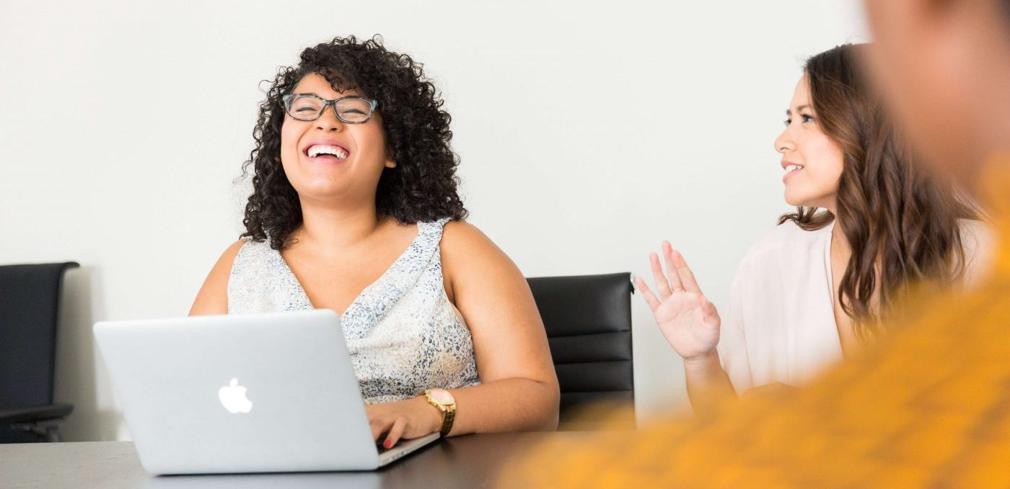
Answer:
x=388 y=444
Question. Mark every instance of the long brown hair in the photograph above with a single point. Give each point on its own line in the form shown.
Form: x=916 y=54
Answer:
x=901 y=223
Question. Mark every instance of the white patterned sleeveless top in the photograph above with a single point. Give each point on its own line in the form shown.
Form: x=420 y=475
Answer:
x=403 y=334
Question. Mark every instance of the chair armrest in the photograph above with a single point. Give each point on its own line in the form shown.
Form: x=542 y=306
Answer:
x=35 y=414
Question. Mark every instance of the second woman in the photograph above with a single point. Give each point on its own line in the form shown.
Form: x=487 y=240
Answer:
x=869 y=225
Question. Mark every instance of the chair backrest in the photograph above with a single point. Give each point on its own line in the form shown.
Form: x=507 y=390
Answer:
x=588 y=322
x=29 y=310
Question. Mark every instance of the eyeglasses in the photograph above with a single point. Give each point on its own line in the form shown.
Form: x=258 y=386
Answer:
x=309 y=107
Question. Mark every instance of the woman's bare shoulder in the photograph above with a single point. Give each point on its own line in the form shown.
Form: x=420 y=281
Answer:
x=213 y=295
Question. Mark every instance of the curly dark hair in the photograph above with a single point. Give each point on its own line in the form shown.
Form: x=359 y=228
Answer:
x=423 y=185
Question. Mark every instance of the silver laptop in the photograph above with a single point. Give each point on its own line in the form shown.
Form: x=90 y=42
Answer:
x=242 y=393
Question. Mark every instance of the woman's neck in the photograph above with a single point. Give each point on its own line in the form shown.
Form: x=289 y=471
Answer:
x=334 y=228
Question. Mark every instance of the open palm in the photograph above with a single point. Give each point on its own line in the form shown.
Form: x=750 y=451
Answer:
x=686 y=318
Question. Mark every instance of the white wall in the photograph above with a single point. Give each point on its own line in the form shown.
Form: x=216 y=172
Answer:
x=589 y=131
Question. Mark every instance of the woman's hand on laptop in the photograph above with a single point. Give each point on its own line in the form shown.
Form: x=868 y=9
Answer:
x=406 y=419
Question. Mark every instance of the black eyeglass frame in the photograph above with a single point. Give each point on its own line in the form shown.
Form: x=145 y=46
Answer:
x=287 y=99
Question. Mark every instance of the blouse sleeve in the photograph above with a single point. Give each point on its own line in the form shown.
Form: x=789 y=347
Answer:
x=733 y=339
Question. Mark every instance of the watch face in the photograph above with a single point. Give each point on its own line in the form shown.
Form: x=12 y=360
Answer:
x=442 y=396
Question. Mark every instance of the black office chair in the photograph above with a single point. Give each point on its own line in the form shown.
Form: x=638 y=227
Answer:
x=29 y=310
x=588 y=322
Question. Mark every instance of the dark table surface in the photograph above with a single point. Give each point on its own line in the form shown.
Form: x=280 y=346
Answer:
x=465 y=461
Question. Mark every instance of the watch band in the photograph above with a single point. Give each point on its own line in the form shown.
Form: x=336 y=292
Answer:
x=448 y=416
x=445 y=406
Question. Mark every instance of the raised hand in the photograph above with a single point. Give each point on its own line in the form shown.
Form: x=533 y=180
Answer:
x=687 y=319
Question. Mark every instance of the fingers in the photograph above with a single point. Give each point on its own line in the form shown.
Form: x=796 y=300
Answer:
x=676 y=261
x=396 y=432
x=662 y=286
x=378 y=427
x=672 y=271
x=678 y=276
x=378 y=419
x=647 y=294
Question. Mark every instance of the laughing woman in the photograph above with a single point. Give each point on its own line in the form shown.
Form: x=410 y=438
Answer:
x=869 y=224
x=355 y=209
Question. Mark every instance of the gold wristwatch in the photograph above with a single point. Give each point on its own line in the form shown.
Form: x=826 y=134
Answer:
x=446 y=404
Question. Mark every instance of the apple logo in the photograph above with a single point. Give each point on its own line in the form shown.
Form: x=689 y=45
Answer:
x=233 y=398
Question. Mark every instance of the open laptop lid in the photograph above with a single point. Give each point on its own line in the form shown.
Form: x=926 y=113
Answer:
x=239 y=393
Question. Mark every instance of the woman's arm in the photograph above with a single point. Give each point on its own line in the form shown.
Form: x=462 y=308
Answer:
x=708 y=386
x=519 y=387
x=691 y=325
x=213 y=295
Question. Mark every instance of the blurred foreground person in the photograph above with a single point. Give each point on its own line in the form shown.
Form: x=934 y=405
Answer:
x=929 y=404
